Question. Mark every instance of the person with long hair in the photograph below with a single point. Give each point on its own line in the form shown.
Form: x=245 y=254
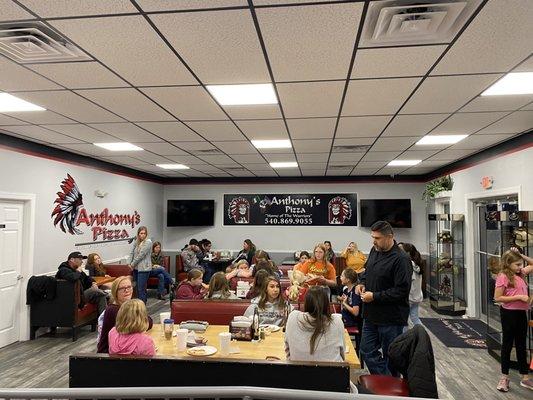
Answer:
x=355 y=259
x=121 y=291
x=259 y=280
x=304 y=256
x=415 y=294
x=330 y=253
x=159 y=272
x=318 y=270
x=128 y=336
x=511 y=293
x=314 y=334
x=219 y=287
x=193 y=287
x=270 y=303
x=141 y=261
x=247 y=253
x=95 y=266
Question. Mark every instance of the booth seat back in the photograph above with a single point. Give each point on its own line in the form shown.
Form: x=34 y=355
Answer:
x=117 y=270
x=216 y=312
x=181 y=275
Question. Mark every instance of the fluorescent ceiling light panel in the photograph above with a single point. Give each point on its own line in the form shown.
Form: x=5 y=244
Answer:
x=122 y=146
x=243 y=95
x=513 y=83
x=172 y=166
x=403 y=163
x=441 y=139
x=9 y=103
x=272 y=144
x=288 y=164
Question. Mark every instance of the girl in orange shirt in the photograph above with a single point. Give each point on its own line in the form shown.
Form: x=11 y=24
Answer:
x=318 y=270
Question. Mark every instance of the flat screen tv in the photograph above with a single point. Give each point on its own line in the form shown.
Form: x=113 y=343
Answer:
x=395 y=211
x=190 y=212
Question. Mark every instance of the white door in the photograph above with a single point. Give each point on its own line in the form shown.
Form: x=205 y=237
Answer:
x=10 y=271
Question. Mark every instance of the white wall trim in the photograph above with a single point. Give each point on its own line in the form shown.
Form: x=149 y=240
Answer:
x=472 y=276
x=28 y=242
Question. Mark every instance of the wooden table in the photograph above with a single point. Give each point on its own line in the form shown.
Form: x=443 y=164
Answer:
x=101 y=280
x=273 y=345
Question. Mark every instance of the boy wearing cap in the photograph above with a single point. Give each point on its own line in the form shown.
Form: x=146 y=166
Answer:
x=71 y=271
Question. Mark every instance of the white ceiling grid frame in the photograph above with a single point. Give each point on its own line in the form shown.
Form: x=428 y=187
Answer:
x=5 y=120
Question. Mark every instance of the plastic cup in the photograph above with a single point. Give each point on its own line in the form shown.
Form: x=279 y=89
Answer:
x=224 y=341
x=163 y=316
x=181 y=335
x=168 y=328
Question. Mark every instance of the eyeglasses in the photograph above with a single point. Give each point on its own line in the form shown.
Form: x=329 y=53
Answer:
x=125 y=288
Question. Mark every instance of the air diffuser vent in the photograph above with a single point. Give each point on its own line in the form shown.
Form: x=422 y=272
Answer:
x=34 y=42
x=350 y=148
x=407 y=22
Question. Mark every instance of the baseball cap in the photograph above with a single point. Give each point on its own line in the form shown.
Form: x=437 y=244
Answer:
x=76 y=254
x=193 y=242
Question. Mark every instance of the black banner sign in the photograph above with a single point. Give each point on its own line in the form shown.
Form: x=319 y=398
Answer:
x=290 y=209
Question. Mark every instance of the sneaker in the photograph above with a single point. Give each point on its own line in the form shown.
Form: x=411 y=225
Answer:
x=503 y=384
x=527 y=383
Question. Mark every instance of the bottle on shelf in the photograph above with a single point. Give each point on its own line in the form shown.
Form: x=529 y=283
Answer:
x=255 y=324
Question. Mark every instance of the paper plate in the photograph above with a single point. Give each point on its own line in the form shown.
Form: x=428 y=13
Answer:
x=273 y=328
x=202 y=351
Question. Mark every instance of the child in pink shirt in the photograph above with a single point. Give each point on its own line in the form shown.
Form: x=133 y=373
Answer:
x=511 y=292
x=128 y=336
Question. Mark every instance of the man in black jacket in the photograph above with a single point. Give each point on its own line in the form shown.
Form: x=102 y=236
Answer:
x=384 y=289
x=71 y=271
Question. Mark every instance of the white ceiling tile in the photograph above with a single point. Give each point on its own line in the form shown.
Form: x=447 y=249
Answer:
x=13 y=77
x=312 y=145
x=313 y=165
x=364 y=171
x=394 y=143
x=151 y=158
x=128 y=103
x=288 y=172
x=276 y=2
x=5 y=120
x=129 y=46
x=401 y=61
x=242 y=173
x=193 y=146
x=497 y=103
x=447 y=93
x=413 y=125
x=187 y=160
x=338 y=171
x=264 y=129
x=169 y=5
x=313 y=158
x=311 y=172
x=249 y=158
x=311 y=128
x=207 y=168
x=42 y=134
x=277 y=151
x=187 y=103
x=380 y=156
x=11 y=11
x=91 y=150
x=126 y=160
x=162 y=148
x=431 y=163
x=450 y=155
x=267 y=111
x=499 y=38
x=311 y=99
x=240 y=147
x=391 y=170
x=220 y=159
x=219 y=174
x=308 y=43
x=466 y=123
x=71 y=8
x=350 y=127
x=480 y=142
x=417 y=171
x=171 y=131
x=82 y=132
x=372 y=164
x=40 y=117
x=127 y=132
x=346 y=157
x=217 y=130
x=257 y=167
x=271 y=157
x=416 y=154
x=526 y=66
x=377 y=96
x=70 y=105
x=353 y=141
x=79 y=75
x=227 y=39
x=516 y=122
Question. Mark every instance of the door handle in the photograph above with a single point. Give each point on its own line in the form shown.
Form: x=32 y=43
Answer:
x=19 y=277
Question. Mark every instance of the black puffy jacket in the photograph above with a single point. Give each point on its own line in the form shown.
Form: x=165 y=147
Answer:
x=411 y=354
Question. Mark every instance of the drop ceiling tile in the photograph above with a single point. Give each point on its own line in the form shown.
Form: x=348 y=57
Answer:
x=313 y=158
x=346 y=157
x=70 y=105
x=310 y=43
x=312 y=145
x=242 y=173
x=92 y=150
x=526 y=66
x=350 y=127
x=394 y=143
x=241 y=147
x=82 y=132
x=447 y=93
x=416 y=154
x=377 y=96
x=311 y=99
x=5 y=120
x=150 y=158
x=312 y=128
x=250 y=158
x=170 y=5
x=207 y=168
x=288 y=172
x=162 y=148
x=450 y=155
x=129 y=46
x=417 y=171
x=264 y=129
x=338 y=171
x=126 y=160
x=391 y=170
x=380 y=156
x=499 y=38
x=267 y=111
x=193 y=146
x=257 y=167
x=313 y=165
x=187 y=160
x=371 y=164
x=219 y=159
x=310 y=172
x=219 y=174
x=400 y=61
x=79 y=75
x=271 y=157
x=227 y=39
x=217 y=130
x=41 y=117
x=11 y=11
x=353 y=141
x=187 y=103
x=71 y=8
x=431 y=163
x=497 y=103
x=364 y=171
x=466 y=123
x=516 y=122
x=276 y=2
x=276 y=151
x=480 y=142
x=413 y=125
x=127 y=132
x=17 y=78
x=528 y=107
x=342 y=164
x=171 y=131
x=42 y=134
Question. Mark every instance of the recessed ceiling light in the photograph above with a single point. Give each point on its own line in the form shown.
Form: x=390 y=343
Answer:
x=122 y=146
x=513 y=83
x=441 y=139
x=288 y=164
x=242 y=95
x=172 y=166
x=403 y=163
x=9 y=103
x=272 y=144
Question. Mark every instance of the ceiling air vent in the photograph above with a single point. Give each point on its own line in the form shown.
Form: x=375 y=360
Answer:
x=350 y=148
x=34 y=42
x=208 y=151
x=408 y=22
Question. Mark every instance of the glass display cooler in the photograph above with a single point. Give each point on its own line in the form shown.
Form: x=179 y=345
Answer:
x=447 y=294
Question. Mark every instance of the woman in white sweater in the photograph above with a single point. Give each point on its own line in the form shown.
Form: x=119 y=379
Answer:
x=314 y=335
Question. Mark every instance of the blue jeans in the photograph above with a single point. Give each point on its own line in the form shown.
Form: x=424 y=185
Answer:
x=375 y=338
x=413 y=313
x=165 y=280
x=142 y=280
x=208 y=271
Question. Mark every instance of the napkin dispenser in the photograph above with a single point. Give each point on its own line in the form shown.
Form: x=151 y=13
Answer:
x=241 y=328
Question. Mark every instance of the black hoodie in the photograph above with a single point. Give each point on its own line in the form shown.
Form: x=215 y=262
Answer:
x=67 y=273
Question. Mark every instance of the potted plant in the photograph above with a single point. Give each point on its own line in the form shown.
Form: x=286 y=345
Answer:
x=436 y=186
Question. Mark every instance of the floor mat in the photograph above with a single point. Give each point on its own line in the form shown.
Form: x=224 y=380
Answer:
x=463 y=333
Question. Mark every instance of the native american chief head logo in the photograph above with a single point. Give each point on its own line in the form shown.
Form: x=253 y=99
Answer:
x=69 y=203
x=239 y=210
x=339 y=210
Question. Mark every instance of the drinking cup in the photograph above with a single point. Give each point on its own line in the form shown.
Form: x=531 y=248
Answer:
x=225 y=340
x=181 y=335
